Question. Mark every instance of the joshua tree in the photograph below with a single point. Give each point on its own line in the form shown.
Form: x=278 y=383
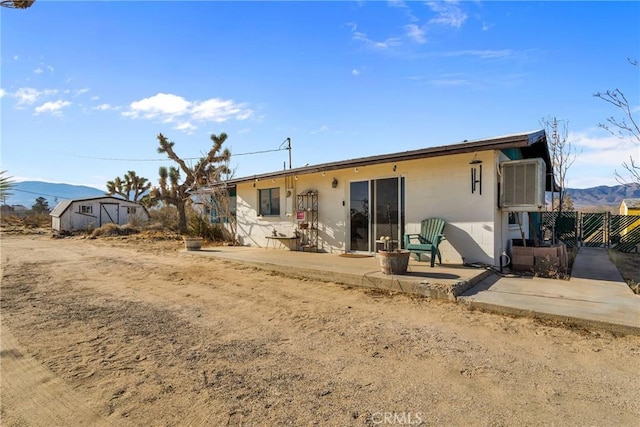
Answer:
x=207 y=171
x=131 y=183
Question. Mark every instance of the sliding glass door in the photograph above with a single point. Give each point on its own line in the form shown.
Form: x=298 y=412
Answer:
x=359 y=212
x=376 y=209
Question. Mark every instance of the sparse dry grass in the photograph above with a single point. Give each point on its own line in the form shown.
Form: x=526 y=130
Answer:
x=629 y=266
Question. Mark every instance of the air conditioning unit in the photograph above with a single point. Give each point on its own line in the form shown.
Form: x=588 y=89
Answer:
x=522 y=185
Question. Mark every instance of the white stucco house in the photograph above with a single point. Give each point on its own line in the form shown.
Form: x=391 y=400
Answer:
x=480 y=188
x=94 y=212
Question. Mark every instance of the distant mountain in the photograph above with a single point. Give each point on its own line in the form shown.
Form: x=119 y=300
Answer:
x=603 y=195
x=25 y=193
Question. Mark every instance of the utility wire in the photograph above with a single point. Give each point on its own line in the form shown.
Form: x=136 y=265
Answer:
x=38 y=194
x=170 y=160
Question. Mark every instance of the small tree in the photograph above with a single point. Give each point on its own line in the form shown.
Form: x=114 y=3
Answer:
x=41 y=206
x=208 y=170
x=567 y=203
x=563 y=155
x=6 y=184
x=132 y=183
x=625 y=128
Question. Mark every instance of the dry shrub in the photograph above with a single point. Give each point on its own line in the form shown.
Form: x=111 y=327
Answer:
x=109 y=230
x=163 y=218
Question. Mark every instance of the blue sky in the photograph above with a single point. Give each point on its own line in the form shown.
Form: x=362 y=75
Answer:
x=85 y=82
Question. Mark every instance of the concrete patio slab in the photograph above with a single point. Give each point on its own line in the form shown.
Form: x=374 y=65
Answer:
x=595 y=296
x=441 y=281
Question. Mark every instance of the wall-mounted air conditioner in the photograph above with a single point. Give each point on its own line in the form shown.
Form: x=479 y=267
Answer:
x=522 y=184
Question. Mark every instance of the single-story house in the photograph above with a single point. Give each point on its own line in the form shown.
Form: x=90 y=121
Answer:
x=480 y=188
x=94 y=212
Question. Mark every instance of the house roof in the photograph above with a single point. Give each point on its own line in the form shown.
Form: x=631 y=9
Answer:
x=63 y=205
x=632 y=203
x=532 y=144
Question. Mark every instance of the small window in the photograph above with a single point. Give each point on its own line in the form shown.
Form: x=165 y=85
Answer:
x=513 y=218
x=269 y=201
x=131 y=210
x=86 y=209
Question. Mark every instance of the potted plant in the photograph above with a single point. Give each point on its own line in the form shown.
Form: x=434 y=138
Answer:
x=393 y=260
x=192 y=243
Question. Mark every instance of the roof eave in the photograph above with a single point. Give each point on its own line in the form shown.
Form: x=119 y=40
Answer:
x=498 y=143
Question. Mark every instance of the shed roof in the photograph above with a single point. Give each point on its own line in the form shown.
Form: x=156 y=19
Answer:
x=632 y=203
x=532 y=144
x=63 y=205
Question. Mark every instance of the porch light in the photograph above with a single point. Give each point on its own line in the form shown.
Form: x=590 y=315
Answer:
x=334 y=183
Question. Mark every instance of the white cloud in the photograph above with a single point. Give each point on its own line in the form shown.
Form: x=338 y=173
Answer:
x=162 y=104
x=219 y=110
x=105 y=107
x=15 y=57
x=356 y=72
x=447 y=13
x=598 y=157
x=81 y=91
x=50 y=68
x=169 y=108
x=29 y=95
x=53 y=107
x=381 y=45
x=484 y=54
x=415 y=33
x=38 y=71
x=2 y=93
x=322 y=128
x=186 y=126
x=450 y=82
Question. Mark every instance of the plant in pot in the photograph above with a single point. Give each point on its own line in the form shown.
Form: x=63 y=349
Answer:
x=393 y=259
x=192 y=243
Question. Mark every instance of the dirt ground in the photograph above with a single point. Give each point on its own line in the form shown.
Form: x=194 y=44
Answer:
x=124 y=331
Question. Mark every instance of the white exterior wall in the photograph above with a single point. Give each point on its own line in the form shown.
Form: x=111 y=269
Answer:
x=476 y=230
x=72 y=219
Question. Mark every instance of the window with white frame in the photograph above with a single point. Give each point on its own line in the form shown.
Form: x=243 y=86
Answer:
x=269 y=201
x=86 y=209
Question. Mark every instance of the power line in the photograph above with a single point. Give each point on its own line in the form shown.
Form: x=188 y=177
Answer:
x=169 y=160
x=37 y=194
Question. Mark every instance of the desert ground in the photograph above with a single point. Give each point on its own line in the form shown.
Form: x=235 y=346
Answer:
x=131 y=331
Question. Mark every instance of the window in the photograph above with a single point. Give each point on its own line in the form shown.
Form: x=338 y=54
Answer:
x=513 y=218
x=269 y=202
x=86 y=209
x=131 y=210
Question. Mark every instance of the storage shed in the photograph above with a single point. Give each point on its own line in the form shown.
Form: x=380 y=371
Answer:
x=94 y=212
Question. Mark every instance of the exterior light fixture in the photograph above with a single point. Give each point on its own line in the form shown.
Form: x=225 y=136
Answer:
x=395 y=167
x=334 y=183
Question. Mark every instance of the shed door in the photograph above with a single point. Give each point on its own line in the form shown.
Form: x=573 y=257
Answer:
x=109 y=212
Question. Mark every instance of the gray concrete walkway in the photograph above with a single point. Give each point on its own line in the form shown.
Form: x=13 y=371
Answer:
x=595 y=296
